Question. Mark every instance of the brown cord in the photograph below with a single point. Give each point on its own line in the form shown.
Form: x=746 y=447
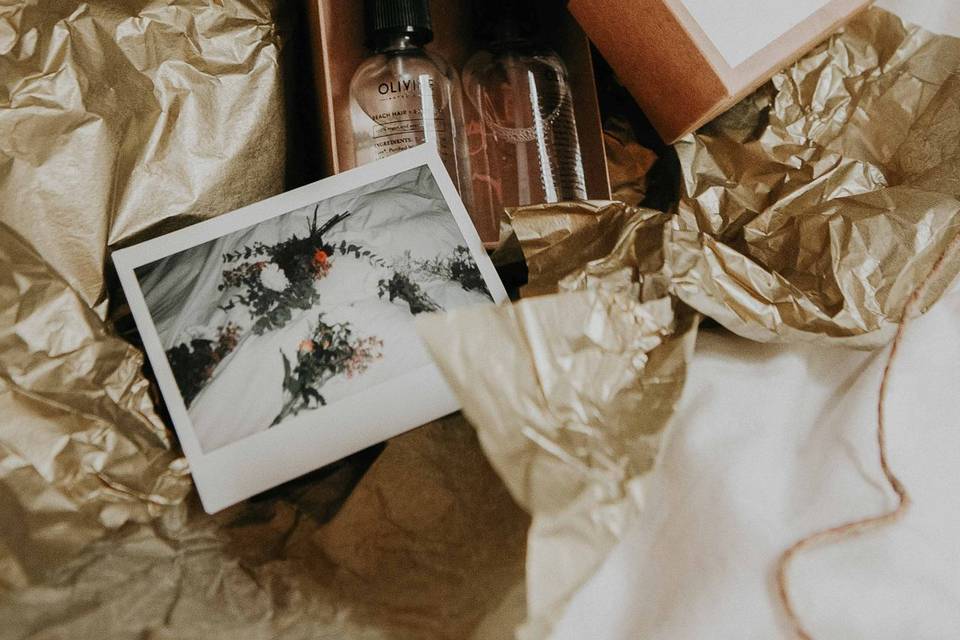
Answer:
x=857 y=527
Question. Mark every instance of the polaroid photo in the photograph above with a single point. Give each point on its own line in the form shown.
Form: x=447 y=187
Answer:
x=282 y=334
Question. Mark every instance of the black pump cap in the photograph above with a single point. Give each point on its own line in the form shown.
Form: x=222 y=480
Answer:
x=387 y=18
x=504 y=20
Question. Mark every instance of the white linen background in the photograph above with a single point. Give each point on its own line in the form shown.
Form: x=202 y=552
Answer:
x=772 y=443
x=402 y=213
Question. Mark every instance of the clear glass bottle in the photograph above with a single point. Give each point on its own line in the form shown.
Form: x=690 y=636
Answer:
x=523 y=143
x=403 y=95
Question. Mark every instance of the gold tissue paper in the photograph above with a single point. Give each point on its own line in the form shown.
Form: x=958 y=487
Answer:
x=628 y=162
x=97 y=538
x=811 y=212
x=81 y=449
x=808 y=213
x=570 y=394
x=571 y=246
x=119 y=120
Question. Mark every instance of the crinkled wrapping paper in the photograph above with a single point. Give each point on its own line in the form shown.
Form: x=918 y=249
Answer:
x=81 y=449
x=809 y=213
x=812 y=210
x=570 y=394
x=125 y=119
x=583 y=245
x=141 y=117
x=98 y=540
x=122 y=119
x=628 y=162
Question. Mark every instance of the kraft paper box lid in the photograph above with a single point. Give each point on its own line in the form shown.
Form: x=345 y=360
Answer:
x=688 y=61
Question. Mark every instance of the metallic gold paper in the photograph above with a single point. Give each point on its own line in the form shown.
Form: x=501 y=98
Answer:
x=813 y=210
x=581 y=245
x=97 y=539
x=81 y=450
x=570 y=394
x=627 y=161
x=119 y=119
x=810 y=212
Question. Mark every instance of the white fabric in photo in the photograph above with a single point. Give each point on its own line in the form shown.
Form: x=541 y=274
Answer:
x=404 y=213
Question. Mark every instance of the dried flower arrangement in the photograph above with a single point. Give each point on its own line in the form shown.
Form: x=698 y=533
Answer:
x=331 y=350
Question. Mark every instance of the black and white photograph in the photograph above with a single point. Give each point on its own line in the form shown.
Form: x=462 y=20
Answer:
x=302 y=319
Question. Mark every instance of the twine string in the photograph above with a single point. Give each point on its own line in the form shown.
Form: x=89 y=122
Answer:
x=911 y=310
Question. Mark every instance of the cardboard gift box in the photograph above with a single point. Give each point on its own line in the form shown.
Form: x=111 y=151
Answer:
x=338 y=37
x=687 y=61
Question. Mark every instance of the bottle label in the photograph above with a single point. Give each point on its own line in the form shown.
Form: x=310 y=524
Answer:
x=398 y=130
x=409 y=113
x=407 y=107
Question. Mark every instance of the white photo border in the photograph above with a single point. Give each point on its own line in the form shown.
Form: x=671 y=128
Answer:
x=234 y=472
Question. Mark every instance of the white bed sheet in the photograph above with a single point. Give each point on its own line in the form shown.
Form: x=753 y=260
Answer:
x=772 y=443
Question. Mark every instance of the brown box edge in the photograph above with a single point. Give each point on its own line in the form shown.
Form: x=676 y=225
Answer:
x=671 y=51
